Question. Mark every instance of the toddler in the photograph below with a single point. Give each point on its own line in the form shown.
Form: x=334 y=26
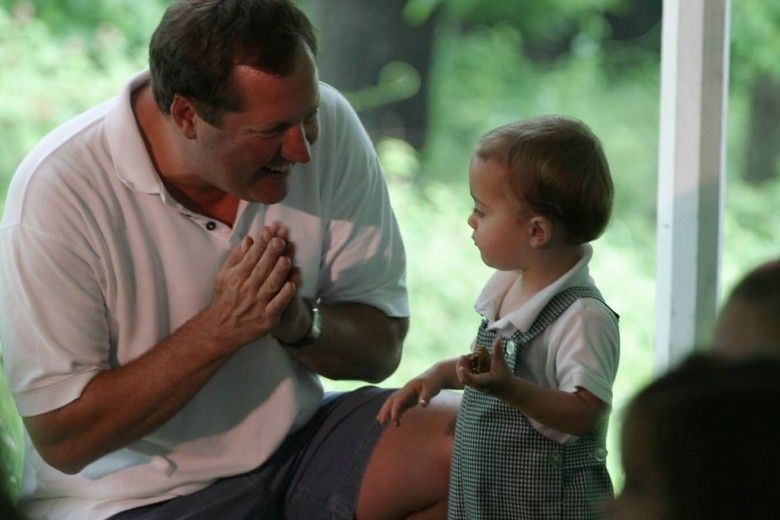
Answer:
x=530 y=434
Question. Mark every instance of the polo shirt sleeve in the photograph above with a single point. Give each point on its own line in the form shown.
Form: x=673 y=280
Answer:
x=52 y=317
x=587 y=348
x=364 y=259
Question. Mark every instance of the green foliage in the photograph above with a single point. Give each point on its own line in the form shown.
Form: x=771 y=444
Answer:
x=756 y=36
x=54 y=77
x=128 y=20
x=398 y=80
x=537 y=20
x=11 y=448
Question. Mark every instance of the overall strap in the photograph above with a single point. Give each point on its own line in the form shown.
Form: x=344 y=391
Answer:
x=555 y=307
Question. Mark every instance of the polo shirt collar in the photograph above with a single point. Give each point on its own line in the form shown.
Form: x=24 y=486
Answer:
x=132 y=163
x=489 y=300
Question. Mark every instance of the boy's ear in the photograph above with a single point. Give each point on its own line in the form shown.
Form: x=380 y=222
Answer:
x=541 y=231
x=183 y=114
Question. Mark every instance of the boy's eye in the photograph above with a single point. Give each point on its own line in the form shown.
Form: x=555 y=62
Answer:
x=477 y=212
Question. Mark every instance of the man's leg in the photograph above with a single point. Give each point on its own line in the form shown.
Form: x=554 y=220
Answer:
x=340 y=454
x=407 y=475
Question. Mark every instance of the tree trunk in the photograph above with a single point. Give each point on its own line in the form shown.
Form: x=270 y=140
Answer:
x=763 y=145
x=358 y=39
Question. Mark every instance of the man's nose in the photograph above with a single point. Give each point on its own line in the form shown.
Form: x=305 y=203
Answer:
x=295 y=146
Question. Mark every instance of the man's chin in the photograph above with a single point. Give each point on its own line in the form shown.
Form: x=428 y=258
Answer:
x=268 y=192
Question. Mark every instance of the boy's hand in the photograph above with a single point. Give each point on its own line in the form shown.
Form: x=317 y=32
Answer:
x=498 y=382
x=419 y=390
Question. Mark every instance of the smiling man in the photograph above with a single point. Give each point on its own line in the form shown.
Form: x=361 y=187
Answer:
x=178 y=266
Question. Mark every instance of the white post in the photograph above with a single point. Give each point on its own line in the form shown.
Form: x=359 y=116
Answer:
x=694 y=99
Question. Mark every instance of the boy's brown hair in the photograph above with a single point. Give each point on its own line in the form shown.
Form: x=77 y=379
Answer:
x=556 y=167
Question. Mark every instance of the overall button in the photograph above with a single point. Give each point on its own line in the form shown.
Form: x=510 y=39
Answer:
x=510 y=347
x=556 y=459
x=211 y=225
x=600 y=454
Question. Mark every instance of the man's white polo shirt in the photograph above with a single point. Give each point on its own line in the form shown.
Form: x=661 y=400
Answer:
x=99 y=263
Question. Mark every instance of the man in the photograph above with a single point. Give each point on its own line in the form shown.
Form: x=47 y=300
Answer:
x=180 y=262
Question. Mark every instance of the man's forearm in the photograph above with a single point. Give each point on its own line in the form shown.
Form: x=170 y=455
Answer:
x=357 y=342
x=121 y=405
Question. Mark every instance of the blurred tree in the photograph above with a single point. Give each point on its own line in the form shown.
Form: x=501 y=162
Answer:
x=77 y=18
x=379 y=52
x=551 y=27
x=380 y=61
x=755 y=51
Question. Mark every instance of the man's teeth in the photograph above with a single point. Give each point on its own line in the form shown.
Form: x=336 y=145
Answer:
x=279 y=169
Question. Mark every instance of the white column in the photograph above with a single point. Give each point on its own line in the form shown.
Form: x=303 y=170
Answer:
x=694 y=99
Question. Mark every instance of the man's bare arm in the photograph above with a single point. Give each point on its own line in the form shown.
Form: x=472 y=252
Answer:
x=358 y=342
x=122 y=404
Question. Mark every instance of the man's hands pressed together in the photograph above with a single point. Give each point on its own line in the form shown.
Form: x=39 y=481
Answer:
x=252 y=289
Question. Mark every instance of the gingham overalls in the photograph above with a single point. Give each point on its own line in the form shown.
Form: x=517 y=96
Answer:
x=502 y=468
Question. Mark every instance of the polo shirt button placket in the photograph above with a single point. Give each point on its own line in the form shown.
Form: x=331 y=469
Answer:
x=211 y=225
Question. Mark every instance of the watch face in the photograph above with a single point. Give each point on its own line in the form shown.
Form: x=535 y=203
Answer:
x=316 y=321
x=315 y=329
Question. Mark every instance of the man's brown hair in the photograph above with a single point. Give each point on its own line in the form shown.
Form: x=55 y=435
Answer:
x=199 y=42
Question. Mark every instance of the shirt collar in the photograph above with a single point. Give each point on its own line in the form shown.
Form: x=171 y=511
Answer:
x=132 y=163
x=489 y=300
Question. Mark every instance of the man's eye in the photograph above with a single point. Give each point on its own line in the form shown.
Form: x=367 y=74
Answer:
x=477 y=212
x=269 y=134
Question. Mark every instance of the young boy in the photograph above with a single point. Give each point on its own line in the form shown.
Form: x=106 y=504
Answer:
x=529 y=440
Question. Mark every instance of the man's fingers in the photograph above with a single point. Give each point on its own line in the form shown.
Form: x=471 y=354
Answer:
x=267 y=261
x=238 y=252
x=276 y=279
x=280 y=300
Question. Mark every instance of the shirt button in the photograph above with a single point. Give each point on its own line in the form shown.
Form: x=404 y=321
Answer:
x=211 y=225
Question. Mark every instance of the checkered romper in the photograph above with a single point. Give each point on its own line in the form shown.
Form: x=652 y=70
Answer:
x=502 y=468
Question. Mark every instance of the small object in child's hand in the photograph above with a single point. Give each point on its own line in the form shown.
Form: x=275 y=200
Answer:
x=479 y=360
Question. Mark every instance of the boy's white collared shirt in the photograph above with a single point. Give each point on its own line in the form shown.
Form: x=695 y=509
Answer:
x=579 y=350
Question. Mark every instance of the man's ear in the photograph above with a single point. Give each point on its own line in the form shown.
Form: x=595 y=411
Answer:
x=183 y=114
x=541 y=231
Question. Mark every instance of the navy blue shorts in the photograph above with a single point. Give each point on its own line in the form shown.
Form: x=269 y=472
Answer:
x=315 y=474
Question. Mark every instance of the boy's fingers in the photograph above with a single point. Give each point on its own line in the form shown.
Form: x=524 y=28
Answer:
x=497 y=355
x=425 y=396
x=464 y=376
x=381 y=417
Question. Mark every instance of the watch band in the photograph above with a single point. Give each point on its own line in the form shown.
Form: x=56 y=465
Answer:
x=315 y=329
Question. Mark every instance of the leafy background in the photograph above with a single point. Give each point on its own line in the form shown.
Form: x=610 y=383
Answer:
x=61 y=57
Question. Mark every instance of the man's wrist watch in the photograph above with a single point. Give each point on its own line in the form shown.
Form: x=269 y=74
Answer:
x=315 y=329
